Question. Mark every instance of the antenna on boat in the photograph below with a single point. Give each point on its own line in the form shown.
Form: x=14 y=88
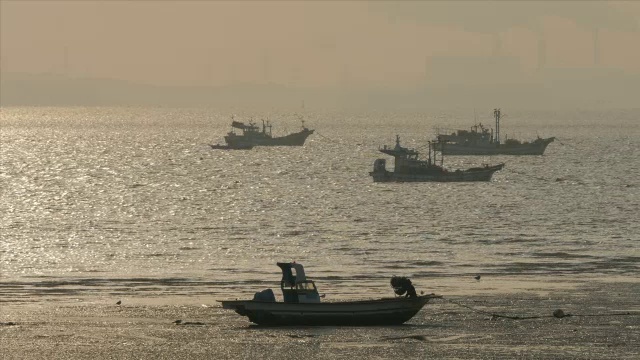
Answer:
x=496 y=115
x=301 y=118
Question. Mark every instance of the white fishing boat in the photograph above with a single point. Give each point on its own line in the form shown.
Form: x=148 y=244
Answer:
x=480 y=140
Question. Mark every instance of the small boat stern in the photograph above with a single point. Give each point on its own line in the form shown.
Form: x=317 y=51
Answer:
x=380 y=172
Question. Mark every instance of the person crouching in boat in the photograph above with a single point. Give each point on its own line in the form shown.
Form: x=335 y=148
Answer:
x=402 y=285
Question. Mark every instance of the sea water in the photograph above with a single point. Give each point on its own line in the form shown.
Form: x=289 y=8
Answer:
x=97 y=199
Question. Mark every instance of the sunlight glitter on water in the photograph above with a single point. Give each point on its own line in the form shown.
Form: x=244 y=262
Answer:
x=138 y=193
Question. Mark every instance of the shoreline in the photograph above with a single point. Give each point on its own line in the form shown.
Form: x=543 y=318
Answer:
x=158 y=291
x=605 y=325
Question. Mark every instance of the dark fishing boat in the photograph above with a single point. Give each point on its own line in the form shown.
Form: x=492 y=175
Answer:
x=302 y=305
x=409 y=168
x=480 y=140
x=252 y=135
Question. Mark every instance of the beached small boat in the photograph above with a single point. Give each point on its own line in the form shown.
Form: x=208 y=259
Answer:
x=409 y=168
x=480 y=140
x=302 y=305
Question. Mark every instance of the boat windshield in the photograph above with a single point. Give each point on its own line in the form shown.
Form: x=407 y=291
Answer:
x=306 y=286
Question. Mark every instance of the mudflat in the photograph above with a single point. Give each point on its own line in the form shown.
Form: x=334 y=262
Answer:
x=601 y=321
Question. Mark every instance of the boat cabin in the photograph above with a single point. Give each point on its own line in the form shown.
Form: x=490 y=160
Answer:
x=296 y=288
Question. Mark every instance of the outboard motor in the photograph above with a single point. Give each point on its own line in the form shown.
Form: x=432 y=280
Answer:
x=265 y=295
x=402 y=285
x=379 y=165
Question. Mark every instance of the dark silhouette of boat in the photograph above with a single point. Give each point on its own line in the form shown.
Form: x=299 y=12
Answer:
x=302 y=304
x=252 y=135
x=409 y=168
x=229 y=147
x=480 y=140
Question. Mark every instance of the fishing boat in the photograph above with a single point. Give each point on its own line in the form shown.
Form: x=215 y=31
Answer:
x=252 y=135
x=302 y=304
x=409 y=168
x=480 y=140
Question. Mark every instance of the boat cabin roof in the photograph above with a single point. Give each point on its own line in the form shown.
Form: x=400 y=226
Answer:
x=399 y=151
x=292 y=274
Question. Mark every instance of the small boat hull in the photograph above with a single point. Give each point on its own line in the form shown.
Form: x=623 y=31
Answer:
x=469 y=175
x=393 y=311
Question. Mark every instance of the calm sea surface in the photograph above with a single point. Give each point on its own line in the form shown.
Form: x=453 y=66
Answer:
x=104 y=198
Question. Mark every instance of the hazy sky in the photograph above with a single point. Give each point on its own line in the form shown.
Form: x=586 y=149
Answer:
x=307 y=43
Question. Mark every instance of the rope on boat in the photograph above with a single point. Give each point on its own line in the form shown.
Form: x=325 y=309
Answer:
x=494 y=315
x=558 y=313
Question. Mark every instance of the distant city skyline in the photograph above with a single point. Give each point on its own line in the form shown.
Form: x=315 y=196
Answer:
x=311 y=44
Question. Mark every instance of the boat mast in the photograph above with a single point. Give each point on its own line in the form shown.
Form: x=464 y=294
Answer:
x=475 y=121
x=301 y=118
x=496 y=114
x=433 y=147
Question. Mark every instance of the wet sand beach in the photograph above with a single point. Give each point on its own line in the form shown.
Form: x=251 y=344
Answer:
x=604 y=323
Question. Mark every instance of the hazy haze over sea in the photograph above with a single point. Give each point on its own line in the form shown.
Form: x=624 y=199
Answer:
x=97 y=199
x=117 y=217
